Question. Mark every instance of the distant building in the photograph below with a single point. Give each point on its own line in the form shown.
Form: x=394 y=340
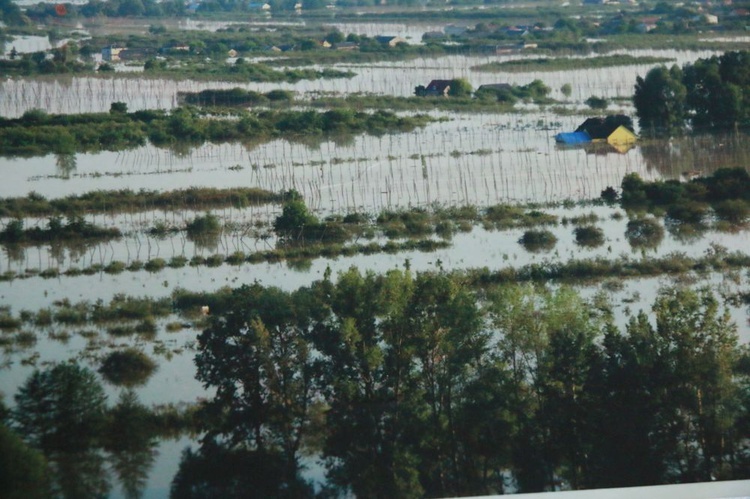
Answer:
x=438 y=88
x=111 y=53
x=136 y=54
x=453 y=30
x=616 y=130
x=391 y=41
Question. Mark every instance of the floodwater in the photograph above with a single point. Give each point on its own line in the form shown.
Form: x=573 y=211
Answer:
x=396 y=78
x=479 y=159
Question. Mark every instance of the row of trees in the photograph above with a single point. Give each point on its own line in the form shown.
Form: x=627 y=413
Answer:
x=37 y=132
x=460 y=87
x=708 y=94
x=416 y=385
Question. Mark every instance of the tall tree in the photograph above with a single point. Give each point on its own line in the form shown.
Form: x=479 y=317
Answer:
x=659 y=101
x=61 y=408
x=255 y=355
x=368 y=383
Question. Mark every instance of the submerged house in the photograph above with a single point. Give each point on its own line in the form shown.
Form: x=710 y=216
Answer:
x=436 y=88
x=616 y=130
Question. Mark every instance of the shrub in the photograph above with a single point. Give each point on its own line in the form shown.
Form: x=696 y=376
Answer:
x=115 y=267
x=178 y=261
x=644 y=233
x=207 y=224
x=130 y=367
x=734 y=211
x=155 y=264
x=538 y=240
x=589 y=236
x=688 y=212
x=609 y=195
x=597 y=102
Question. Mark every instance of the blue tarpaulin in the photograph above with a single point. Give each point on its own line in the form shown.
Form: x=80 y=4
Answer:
x=573 y=138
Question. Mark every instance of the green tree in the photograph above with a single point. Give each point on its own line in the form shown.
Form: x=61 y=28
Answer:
x=255 y=354
x=60 y=408
x=366 y=374
x=118 y=108
x=460 y=87
x=444 y=332
x=714 y=101
x=23 y=470
x=660 y=101
x=294 y=218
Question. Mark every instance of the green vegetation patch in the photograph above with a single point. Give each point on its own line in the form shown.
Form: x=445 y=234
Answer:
x=127 y=200
x=129 y=367
x=38 y=133
x=567 y=63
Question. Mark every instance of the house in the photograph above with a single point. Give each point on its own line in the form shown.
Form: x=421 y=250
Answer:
x=175 y=47
x=453 y=30
x=438 y=88
x=647 y=24
x=572 y=138
x=136 y=54
x=391 y=41
x=710 y=19
x=433 y=35
x=111 y=53
x=616 y=130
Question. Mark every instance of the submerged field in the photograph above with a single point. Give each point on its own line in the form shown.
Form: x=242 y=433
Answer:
x=421 y=200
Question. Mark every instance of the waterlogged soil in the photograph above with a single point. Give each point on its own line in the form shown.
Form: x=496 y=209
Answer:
x=494 y=249
x=476 y=159
x=399 y=78
x=471 y=159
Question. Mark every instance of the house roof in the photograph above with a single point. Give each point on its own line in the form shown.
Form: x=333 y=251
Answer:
x=572 y=138
x=601 y=128
x=438 y=85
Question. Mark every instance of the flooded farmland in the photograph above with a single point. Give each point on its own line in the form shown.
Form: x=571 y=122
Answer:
x=461 y=159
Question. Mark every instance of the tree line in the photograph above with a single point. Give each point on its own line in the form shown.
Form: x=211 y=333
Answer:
x=410 y=385
x=419 y=385
x=708 y=94
x=37 y=132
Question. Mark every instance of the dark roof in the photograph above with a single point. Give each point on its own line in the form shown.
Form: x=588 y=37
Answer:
x=438 y=85
x=385 y=38
x=601 y=128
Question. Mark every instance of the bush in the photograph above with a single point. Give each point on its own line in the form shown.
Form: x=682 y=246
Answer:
x=644 y=233
x=155 y=264
x=734 y=211
x=130 y=367
x=688 y=212
x=538 y=240
x=609 y=195
x=597 y=102
x=207 y=224
x=589 y=236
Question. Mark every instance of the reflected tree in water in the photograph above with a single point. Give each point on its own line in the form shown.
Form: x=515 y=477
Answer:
x=61 y=411
x=65 y=164
x=131 y=443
